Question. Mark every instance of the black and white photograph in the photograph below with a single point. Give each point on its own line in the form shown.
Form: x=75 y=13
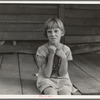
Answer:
x=49 y=49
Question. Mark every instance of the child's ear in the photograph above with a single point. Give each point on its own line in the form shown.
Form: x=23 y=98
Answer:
x=62 y=34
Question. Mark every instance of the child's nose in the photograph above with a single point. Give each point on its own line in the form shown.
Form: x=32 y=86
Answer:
x=53 y=34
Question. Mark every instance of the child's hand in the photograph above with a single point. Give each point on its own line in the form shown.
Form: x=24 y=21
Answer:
x=52 y=49
x=60 y=53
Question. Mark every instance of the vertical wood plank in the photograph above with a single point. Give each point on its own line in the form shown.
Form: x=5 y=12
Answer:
x=62 y=17
x=1 y=57
x=27 y=69
x=9 y=75
x=61 y=12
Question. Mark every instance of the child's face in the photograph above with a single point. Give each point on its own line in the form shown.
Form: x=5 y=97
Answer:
x=54 y=35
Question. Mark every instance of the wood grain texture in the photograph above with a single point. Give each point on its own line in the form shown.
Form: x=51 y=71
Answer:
x=27 y=9
x=82 y=13
x=83 y=81
x=27 y=69
x=83 y=6
x=89 y=63
x=9 y=75
x=82 y=39
x=1 y=58
x=22 y=36
x=31 y=48
x=26 y=19
x=85 y=48
x=83 y=22
x=21 y=27
x=82 y=30
x=25 y=22
x=21 y=47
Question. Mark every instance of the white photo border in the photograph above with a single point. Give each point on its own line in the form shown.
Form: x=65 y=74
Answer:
x=31 y=97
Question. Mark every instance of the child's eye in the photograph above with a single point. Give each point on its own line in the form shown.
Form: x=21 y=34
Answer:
x=56 y=31
x=49 y=31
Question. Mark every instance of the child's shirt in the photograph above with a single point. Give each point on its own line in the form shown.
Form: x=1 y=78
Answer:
x=42 y=81
x=42 y=54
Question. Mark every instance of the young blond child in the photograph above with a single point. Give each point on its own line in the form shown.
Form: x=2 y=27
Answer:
x=52 y=59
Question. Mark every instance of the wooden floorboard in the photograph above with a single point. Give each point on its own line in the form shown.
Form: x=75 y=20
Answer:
x=90 y=63
x=27 y=69
x=16 y=74
x=1 y=57
x=9 y=75
x=84 y=82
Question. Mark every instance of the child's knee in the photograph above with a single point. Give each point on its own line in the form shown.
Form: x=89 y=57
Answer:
x=50 y=91
x=64 y=92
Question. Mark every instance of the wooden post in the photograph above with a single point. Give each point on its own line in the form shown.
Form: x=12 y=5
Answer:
x=62 y=17
x=61 y=12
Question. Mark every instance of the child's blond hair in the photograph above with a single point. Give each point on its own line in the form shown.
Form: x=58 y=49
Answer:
x=53 y=23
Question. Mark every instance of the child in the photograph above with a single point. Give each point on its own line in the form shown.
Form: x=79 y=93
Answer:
x=52 y=59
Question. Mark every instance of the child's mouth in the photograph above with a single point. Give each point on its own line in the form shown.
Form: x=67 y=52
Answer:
x=53 y=38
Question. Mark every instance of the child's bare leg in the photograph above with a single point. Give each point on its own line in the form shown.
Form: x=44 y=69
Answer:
x=64 y=92
x=50 y=91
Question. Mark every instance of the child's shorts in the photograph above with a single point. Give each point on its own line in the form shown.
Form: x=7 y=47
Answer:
x=58 y=84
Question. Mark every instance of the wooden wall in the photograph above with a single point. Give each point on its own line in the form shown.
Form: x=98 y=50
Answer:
x=82 y=24
x=21 y=26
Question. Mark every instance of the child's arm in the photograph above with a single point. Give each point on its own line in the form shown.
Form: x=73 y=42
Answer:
x=64 y=63
x=45 y=66
x=63 y=68
x=48 y=67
